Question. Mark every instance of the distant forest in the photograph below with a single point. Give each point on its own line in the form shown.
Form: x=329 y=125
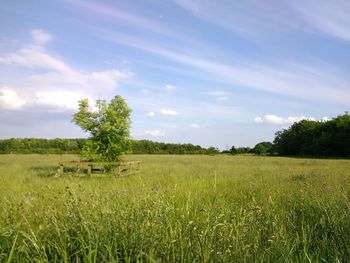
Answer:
x=74 y=146
x=305 y=138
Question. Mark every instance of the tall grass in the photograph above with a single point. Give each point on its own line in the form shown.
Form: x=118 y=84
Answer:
x=177 y=209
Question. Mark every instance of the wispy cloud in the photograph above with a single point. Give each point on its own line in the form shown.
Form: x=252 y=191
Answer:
x=34 y=57
x=169 y=87
x=52 y=82
x=118 y=14
x=245 y=18
x=311 y=82
x=330 y=18
x=40 y=37
x=194 y=125
x=169 y=112
x=151 y=114
x=219 y=94
x=155 y=133
x=253 y=19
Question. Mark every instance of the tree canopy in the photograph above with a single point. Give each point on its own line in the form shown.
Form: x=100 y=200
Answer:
x=316 y=138
x=263 y=148
x=109 y=127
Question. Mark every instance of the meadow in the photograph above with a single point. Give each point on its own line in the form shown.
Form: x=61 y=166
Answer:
x=195 y=208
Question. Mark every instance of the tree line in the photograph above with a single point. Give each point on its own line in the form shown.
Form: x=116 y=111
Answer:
x=75 y=146
x=305 y=138
x=47 y=146
x=151 y=147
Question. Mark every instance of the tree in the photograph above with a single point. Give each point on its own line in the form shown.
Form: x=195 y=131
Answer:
x=109 y=127
x=263 y=148
x=233 y=150
x=212 y=151
x=243 y=150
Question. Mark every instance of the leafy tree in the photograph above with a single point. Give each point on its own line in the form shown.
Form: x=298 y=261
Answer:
x=109 y=127
x=233 y=150
x=263 y=148
x=212 y=151
x=243 y=150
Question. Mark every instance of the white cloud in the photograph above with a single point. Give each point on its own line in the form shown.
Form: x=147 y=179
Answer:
x=40 y=37
x=104 y=80
x=194 y=125
x=169 y=87
x=168 y=112
x=9 y=99
x=60 y=98
x=277 y=120
x=219 y=94
x=151 y=114
x=59 y=73
x=258 y=120
x=155 y=133
x=56 y=83
x=34 y=57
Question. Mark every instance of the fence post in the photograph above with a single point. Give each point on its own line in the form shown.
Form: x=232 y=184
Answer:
x=61 y=169
x=89 y=169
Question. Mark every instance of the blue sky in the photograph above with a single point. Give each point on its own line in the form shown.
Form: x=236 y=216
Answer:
x=214 y=73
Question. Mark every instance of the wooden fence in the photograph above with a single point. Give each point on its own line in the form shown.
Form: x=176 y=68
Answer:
x=117 y=169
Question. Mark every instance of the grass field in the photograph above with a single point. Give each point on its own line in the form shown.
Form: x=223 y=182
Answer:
x=177 y=209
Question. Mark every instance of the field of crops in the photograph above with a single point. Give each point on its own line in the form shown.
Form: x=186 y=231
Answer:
x=177 y=209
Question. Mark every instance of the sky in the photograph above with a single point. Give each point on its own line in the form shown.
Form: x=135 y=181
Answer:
x=208 y=72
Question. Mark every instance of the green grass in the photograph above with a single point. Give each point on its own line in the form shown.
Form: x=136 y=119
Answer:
x=177 y=209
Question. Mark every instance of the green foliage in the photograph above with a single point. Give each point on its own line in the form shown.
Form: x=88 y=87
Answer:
x=316 y=138
x=28 y=145
x=263 y=148
x=240 y=150
x=212 y=151
x=178 y=209
x=109 y=127
x=47 y=146
x=150 y=147
x=243 y=150
x=233 y=150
